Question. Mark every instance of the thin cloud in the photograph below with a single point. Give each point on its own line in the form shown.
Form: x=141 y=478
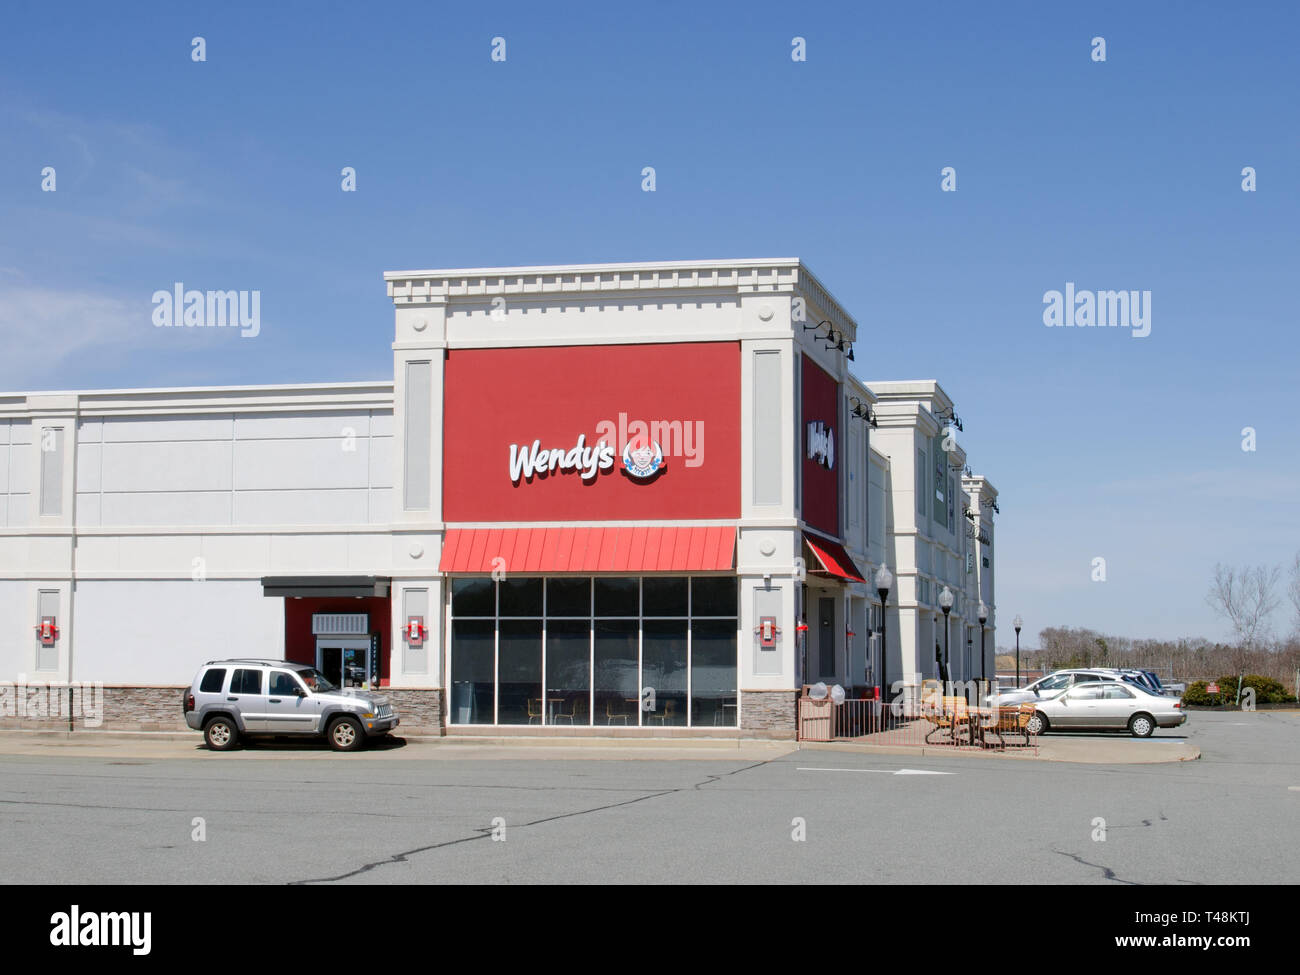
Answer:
x=43 y=328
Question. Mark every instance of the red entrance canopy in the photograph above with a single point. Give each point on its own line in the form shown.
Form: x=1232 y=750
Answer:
x=703 y=548
x=834 y=559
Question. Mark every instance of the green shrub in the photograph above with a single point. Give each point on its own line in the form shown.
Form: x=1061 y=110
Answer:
x=1267 y=691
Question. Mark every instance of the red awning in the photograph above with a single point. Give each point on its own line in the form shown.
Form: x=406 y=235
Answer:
x=706 y=548
x=834 y=559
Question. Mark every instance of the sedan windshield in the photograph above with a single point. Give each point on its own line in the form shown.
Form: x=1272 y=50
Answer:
x=316 y=682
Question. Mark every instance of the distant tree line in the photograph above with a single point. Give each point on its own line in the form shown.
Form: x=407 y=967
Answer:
x=1246 y=598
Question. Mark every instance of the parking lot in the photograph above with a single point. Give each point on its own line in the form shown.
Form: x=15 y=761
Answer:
x=141 y=810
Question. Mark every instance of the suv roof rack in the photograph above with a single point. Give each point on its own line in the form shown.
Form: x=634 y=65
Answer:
x=250 y=660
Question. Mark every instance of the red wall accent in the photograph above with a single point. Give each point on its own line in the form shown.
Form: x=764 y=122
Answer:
x=821 y=487
x=498 y=397
x=300 y=644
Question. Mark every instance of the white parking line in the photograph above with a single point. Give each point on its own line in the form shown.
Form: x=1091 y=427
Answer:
x=921 y=771
x=882 y=771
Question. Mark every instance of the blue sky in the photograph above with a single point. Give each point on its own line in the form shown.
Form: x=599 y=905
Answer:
x=1117 y=175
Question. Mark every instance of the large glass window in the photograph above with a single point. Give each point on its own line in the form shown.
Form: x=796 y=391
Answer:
x=568 y=671
x=473 y=597
x=663 y=672
x=473 y=671
x=713 y=672
x=612 y=651
x=664 y=596
x=616 y=688
x=939 y=455
x=568 y=597
x=521 y=597
x=618 y=597
x=714 y=596
x=520 y=662
x=921 y=507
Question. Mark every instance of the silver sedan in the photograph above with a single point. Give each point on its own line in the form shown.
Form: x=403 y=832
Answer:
x=1108 y=704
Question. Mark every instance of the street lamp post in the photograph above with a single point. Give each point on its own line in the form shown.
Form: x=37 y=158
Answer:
x=984 y=618
x=1017 y=623
x=945 y=604
x=884 y=583
x=802 y=630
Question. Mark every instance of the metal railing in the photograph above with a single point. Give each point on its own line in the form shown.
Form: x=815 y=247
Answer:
x=929 y=720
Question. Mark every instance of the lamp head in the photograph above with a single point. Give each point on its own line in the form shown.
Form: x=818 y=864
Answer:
x=884 y=579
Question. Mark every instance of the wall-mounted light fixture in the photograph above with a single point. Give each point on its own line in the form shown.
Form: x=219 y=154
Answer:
x=862 y=411
x=833 y=339
x=948 y=416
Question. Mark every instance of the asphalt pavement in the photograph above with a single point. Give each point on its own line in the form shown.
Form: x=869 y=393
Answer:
x=123 y=810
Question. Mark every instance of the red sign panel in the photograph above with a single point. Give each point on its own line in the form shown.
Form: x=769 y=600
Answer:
x=592 y=433
x=820 y=443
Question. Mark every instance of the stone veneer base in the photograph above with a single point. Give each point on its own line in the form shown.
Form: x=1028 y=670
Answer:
x=764 y=714
x=158 y=708
x=768 y=714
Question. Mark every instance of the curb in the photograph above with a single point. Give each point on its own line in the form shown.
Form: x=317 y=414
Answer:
x=450 y=741
x=1181 y=753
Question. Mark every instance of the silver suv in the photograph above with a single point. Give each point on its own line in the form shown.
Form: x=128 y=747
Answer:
x=230 y=699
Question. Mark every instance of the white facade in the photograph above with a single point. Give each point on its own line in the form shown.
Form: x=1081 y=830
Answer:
x=935 y=543
x=168 y=506
x=147 y=521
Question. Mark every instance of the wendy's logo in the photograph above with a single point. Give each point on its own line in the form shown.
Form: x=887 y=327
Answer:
x=643 y=460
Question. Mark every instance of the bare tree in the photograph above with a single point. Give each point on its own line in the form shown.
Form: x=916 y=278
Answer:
x=1247 y=597
x=1293 y=591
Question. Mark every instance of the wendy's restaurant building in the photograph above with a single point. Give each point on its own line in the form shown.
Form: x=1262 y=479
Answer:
x=614 y=499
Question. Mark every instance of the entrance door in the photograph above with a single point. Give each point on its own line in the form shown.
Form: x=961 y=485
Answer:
x=826 y=638
x=343 y=661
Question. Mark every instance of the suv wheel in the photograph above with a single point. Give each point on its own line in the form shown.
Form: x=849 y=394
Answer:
x=345 y=734
x=1037 y=725
x=221 y=734
x=1141 y=726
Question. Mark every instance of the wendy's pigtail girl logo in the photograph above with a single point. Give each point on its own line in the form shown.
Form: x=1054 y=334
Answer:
x=642 y=459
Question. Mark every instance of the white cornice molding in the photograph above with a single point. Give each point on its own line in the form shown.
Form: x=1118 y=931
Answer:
x=778 y=275
x=927 y=392
x=979 y=485
x=377 y=530
x=316 y=397
x=610 y=276
x=906 y=414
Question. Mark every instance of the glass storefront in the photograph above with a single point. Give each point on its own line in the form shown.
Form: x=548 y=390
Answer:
x=657 y=651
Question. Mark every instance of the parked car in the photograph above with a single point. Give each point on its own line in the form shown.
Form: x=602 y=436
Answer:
x=1060 y=680
x=1145 y=678
x=1049 y=686
x=1113 y=704
x=232 y=699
